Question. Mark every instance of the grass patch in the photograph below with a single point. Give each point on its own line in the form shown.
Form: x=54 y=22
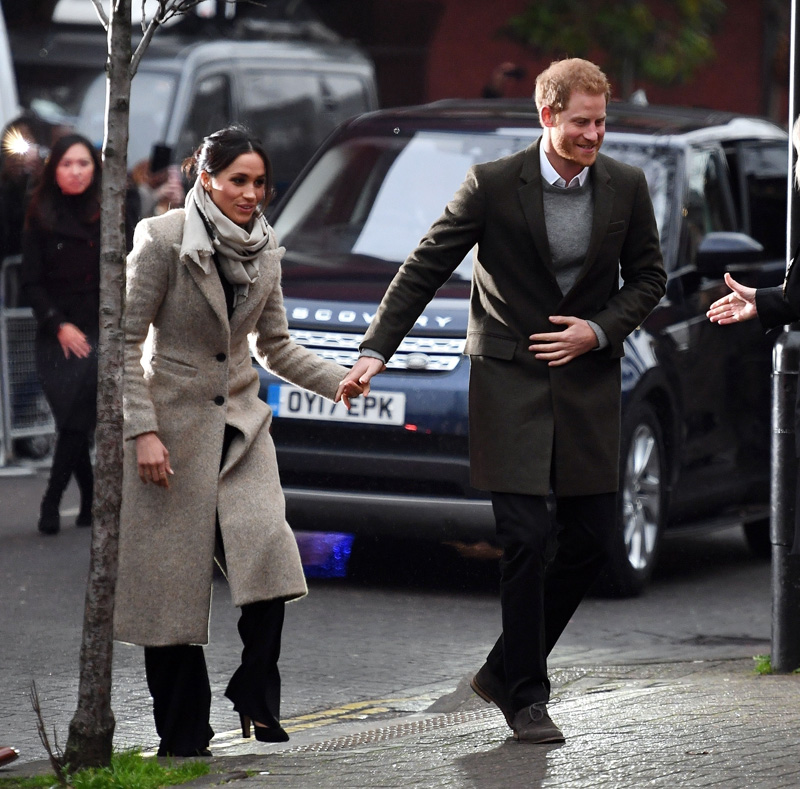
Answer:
x=763 y=665
x=129 y=770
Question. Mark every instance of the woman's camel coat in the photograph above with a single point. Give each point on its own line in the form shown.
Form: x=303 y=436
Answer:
x=199 y=377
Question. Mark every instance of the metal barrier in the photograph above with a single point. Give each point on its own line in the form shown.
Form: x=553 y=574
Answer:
x=26 y=413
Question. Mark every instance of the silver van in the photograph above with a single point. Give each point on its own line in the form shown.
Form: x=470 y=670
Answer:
x=290 y=92
x=9 y=106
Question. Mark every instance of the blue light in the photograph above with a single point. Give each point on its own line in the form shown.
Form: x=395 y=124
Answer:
x=324 y=554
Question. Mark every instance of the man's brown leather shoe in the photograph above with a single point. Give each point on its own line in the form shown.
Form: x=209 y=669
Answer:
x=486 y=684
x=7 y=755
x=533 y=724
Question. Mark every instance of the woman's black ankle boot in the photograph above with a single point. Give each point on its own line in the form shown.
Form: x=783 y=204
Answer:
x=49 y=518
x=85 y=513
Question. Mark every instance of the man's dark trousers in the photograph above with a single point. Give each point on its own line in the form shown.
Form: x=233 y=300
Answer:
x=538 y=597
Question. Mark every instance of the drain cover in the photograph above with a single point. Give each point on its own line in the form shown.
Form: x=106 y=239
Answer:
x=384 y=733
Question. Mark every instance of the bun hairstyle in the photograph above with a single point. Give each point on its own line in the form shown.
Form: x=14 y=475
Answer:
x=220 y=149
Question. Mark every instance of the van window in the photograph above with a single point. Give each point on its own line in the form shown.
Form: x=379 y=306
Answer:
x=210 y=110
x=343 y=97
x=152 y=96
x=283 y=109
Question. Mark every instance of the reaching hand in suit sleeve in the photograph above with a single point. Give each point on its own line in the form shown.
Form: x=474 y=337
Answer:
x=739 y=305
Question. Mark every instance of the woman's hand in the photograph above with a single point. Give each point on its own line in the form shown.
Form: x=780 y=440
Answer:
x=346 y=391
x=152 y=458
x=356 y=382
x=739 y=305
x=73 y=340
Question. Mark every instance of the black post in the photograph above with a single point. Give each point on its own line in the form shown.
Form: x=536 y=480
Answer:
x=785 y=568
x=786 y=364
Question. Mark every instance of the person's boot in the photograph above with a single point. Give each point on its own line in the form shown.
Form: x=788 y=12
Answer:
x=84 y=475
x=49 y=517
x=67 y=446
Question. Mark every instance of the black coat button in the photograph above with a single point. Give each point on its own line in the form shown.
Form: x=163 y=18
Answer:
x=219 y=400
x=221 y=357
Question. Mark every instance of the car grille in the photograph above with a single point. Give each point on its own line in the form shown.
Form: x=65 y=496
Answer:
x=429 y=354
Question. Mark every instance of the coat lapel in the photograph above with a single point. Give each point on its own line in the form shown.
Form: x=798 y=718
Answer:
x=532 y=201
x=211 y=288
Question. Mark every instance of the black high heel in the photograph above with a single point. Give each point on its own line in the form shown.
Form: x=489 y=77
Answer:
x=263 y=733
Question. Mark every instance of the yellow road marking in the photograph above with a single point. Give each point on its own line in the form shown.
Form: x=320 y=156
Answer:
x=356 y=710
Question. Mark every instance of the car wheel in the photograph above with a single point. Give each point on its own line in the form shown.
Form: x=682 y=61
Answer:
x=757 y=537
x=34 y=447
x=641 y=504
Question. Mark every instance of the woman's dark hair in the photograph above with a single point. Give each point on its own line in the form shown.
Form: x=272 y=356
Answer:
x=48 y=203
x=220 y=149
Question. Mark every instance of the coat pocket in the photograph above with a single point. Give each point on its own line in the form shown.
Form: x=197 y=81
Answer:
x=173 y=366
x=616 y=227
x=494 y=345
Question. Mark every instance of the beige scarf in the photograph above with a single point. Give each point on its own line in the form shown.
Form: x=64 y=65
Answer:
x=207 y=232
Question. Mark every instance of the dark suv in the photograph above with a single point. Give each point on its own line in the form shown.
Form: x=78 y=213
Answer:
x=695 y=444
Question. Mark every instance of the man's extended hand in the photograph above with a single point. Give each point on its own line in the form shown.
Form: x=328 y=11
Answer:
x=739 y=305
x=560 y=347
x=360 y=373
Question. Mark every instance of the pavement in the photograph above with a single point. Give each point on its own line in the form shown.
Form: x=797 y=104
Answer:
x=642 y=723
x=683 y=724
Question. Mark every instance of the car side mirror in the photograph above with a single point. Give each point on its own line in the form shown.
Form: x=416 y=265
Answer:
x=719 y=251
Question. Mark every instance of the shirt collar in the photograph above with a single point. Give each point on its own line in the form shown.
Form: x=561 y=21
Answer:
x=553 y=178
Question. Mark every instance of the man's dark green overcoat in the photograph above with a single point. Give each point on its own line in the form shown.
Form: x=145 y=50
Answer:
x=533 y=427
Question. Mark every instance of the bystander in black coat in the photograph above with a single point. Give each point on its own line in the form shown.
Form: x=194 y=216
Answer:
x=61 y=282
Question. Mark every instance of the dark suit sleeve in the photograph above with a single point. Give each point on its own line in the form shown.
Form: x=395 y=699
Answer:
x=641 y=269
x=773 y=309
x=427 y=268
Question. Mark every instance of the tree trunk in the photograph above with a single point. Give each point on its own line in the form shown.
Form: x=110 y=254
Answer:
x=91 y=730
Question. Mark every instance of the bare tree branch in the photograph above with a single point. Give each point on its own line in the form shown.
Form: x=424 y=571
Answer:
x=167 y=9
x=101 y=13
x=53 y=752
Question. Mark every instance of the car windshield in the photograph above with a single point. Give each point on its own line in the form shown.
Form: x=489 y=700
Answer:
x=375 y=197
x=151 y=100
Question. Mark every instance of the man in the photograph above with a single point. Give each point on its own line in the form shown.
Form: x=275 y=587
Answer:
x=556 y=226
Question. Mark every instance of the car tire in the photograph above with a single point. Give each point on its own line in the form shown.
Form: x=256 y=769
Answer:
x=641 y=504
x=757 y=537
x=34 y=447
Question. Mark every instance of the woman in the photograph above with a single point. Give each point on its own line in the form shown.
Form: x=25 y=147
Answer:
x=61 y=281
x=200 y=470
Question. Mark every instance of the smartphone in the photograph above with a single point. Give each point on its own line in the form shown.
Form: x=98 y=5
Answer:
x=160 y=158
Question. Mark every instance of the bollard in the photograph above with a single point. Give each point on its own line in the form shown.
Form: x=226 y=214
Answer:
x=785 y=567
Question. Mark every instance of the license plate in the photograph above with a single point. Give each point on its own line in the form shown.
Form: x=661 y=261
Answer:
x=379 y=408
